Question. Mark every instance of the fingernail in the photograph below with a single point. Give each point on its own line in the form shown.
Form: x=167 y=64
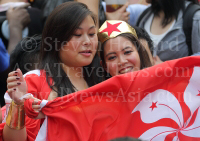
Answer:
x=17 y=78
x=18 y=83
x=16 y=72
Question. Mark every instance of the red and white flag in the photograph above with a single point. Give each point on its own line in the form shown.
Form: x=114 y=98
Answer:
x=160 y=103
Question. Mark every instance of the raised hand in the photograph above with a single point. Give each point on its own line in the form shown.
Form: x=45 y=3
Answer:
x=18 y=17
x=16 y=86
x=120 y=14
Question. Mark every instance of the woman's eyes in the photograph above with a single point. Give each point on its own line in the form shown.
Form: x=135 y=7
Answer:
x=92 y=34
x=79 y=35
x=127 y=52
x=111 y=58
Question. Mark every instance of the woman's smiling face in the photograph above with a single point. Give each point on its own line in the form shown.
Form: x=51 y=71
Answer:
x=121 y=56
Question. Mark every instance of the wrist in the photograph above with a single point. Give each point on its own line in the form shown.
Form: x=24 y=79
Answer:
x=19 y=102
x=16 y=116
x=16 y=28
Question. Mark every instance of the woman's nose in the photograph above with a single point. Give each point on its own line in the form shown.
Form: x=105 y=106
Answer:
x=87 y=41
x=122 y=61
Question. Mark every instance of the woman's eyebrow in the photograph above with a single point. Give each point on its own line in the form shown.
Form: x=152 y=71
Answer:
x=126 y=48
x=89 y=28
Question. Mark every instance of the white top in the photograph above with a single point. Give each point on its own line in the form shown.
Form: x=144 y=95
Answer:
x=155 y=38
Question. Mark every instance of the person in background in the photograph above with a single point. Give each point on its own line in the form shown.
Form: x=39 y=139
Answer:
x=120 y=14
x=20 y=20
x=128 y=13
x=146 y=41
x=164 y=24
x=49 y=5
x=135 y=11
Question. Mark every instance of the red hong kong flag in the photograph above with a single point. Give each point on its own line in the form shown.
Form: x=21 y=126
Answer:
x=160 y=103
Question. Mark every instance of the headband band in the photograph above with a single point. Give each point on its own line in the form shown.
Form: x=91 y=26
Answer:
x=113 y=28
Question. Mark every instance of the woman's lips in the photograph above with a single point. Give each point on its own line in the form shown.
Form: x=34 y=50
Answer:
x=86 y=53
x=125 y=70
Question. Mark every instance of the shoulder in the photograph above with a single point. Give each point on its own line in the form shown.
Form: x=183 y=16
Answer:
x=35 y=77
x=37 y=84
x=33 y=73
x=196 y=16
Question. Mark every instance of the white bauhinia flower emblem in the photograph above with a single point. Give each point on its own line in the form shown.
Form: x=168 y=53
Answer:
x=163 y=105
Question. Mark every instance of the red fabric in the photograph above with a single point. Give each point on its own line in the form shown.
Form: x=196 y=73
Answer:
x=37 y=86
x=29 y=110
x=118 y=106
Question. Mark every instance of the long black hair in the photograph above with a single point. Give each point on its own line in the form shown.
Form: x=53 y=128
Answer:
x=60 y=26
x=171 y=9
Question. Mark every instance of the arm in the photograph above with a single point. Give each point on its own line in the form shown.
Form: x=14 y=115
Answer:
x=93 y=5
x=18 y=18
x=16 y=89
x=17 y=135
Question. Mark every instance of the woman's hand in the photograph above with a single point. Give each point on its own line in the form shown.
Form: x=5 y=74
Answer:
x=36 y=107
x=16 y=86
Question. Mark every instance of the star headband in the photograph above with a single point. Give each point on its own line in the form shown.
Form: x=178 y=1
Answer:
x=113 y=28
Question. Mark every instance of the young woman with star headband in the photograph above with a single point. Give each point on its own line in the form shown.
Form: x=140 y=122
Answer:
x=121 y=51
x=68 y=50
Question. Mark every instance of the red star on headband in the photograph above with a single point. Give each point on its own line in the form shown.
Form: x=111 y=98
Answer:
x=111 y=27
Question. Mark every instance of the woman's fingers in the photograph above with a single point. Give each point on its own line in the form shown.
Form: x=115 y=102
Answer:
x=13 y=73
x=36 y=107
x=36 y=102
x=13 y=78
x=126 y=14
x=10 y=91
x=13 y=84
x=20 y=75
